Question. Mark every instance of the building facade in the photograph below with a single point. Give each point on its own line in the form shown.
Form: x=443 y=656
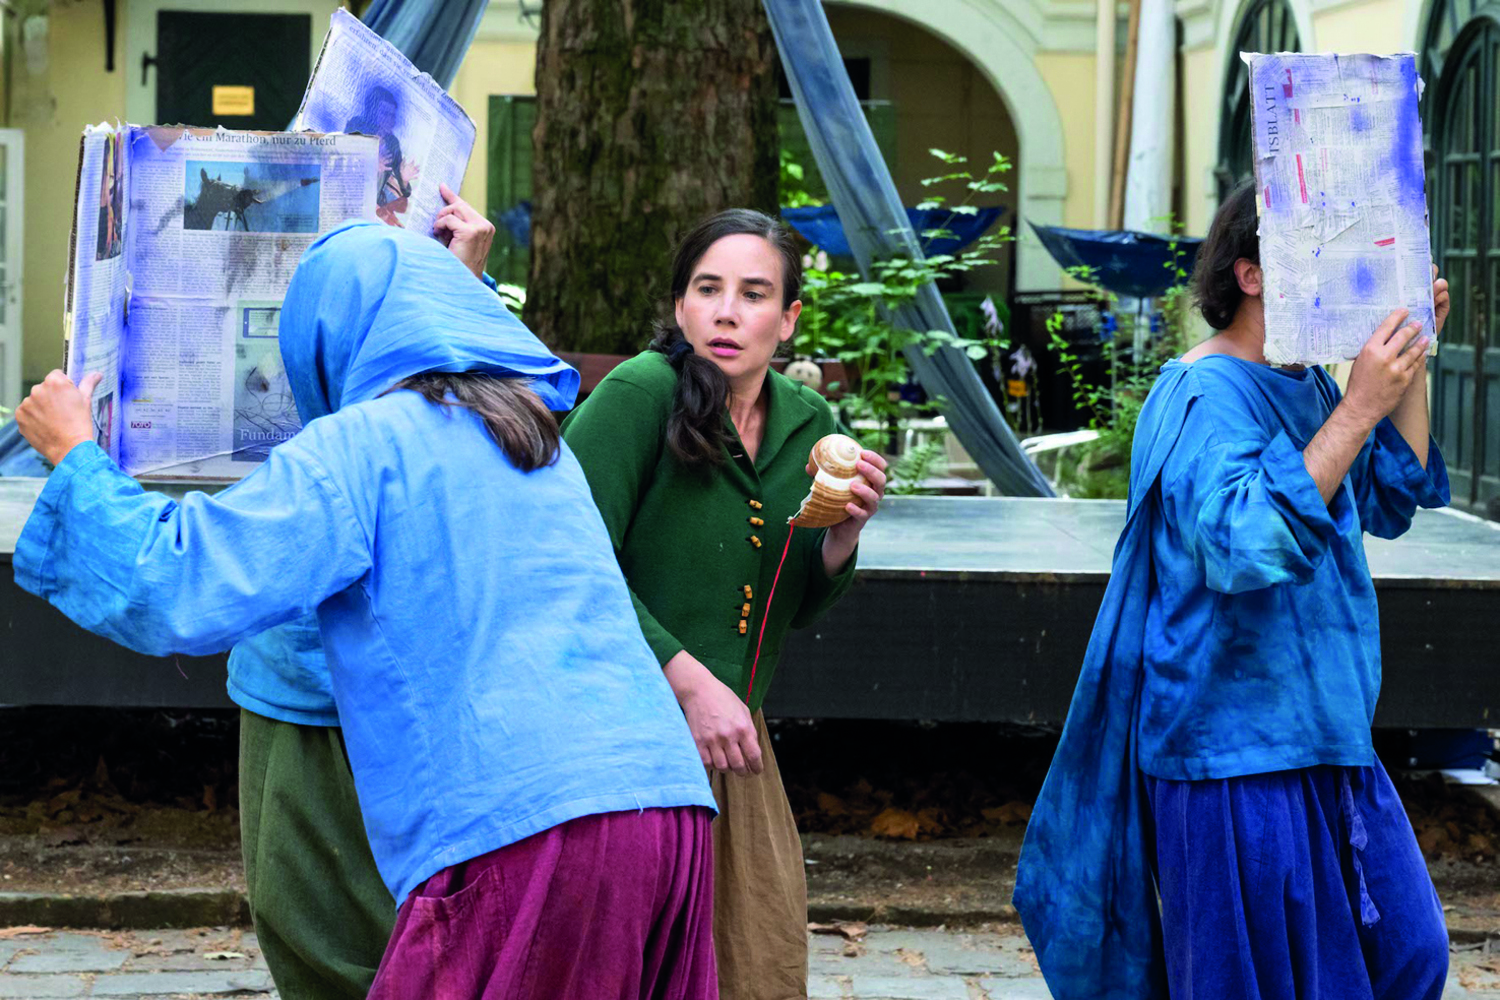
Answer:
x=1037 y=80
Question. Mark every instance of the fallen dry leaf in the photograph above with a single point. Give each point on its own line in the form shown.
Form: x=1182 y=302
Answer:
x=849 y=930
x=223 y=956
x=1010 y=813
x=1428 y=841
x=931 y=821
x=15 y=932
x=832 y=804
x=915 y=959
x=897 y=824
x=853 y=949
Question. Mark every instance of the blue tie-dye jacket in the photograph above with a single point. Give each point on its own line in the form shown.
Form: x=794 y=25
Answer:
x=1239 y=634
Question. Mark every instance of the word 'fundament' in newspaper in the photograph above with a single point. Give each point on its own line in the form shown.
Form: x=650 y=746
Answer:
x=1343 y=204
x=184 y=242
x=362 y=83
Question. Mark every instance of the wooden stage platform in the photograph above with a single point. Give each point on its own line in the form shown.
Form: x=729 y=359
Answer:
x=963 y=609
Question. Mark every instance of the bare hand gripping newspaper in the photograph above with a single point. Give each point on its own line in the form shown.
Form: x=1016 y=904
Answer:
x=1343 y=207
x=183 y=245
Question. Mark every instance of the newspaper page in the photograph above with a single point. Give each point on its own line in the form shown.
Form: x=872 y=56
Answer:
x=1343 y=204
x=98 y=281
x=362 y=83
x=223 y=219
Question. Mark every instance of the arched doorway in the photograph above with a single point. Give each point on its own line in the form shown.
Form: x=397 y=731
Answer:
x=1263 y=26
x=926 y=94
x=1445 y=21
x=997 y=40
x=1465 y=142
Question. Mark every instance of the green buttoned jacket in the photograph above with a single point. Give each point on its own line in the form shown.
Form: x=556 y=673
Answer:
x=687 y=538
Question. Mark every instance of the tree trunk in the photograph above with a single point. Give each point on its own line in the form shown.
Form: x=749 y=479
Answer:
x=650 y=115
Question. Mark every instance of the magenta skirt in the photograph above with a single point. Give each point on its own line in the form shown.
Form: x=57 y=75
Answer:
x=618 y=905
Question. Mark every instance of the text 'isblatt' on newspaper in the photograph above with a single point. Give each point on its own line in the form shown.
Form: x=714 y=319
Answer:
x=1344 y=235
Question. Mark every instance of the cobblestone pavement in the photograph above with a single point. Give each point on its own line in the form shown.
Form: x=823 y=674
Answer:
x=883 y=964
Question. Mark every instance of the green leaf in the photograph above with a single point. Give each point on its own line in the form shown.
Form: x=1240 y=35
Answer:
x=961 y=175
x=977 y=353
x=947 y=157
x=868 y=288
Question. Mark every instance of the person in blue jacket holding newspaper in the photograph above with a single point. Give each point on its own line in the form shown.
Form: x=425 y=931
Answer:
x=1217 y=753
x=514 y=745
x=321 y=911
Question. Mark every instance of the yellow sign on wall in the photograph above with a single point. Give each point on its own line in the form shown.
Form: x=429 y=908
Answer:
x=234 y=100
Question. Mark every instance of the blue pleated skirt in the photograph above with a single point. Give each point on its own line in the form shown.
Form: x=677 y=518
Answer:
x=1305 y=884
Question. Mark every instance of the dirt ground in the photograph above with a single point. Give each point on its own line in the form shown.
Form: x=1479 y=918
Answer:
x=902 y=823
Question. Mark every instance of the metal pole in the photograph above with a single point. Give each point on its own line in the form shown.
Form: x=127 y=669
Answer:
x=1104 y=108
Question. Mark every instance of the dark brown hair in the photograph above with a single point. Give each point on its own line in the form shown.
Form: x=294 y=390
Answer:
x=696 y=433
x=515 y=416
x=1231 y=237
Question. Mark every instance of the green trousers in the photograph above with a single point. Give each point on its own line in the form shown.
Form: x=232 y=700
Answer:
x=321 y=912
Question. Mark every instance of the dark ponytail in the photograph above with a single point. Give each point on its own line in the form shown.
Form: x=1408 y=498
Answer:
x=512 y=412
x=696 y=433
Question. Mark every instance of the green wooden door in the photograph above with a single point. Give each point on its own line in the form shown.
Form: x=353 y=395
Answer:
x=508 y=198
x=1466 y=223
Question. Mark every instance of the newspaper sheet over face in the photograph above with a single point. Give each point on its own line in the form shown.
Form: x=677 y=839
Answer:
x=184 y=241
x=362 y=83
x=1343 y=204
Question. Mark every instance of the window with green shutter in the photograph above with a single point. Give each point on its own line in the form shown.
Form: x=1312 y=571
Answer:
x=882 y=118
x=508 y=194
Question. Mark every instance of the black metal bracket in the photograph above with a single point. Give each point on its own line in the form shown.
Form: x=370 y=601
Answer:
x=109 y=36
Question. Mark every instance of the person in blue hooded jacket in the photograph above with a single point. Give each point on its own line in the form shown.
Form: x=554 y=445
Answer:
x=1217 y=752
x=516 y=751
x=321 y=912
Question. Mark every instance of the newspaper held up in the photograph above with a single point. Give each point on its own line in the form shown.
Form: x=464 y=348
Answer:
x=97 y=283
x=184 y=242
x=1344 y=235
x=362 y=83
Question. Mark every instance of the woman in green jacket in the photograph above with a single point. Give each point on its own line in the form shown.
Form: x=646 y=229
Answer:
x=697 y=455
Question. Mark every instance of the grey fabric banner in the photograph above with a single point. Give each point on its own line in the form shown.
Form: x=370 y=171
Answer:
x=877 y=226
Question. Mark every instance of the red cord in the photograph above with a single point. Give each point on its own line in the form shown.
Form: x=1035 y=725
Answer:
x=766 y=615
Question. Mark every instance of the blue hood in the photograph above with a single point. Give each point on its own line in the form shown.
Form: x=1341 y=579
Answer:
x=372 y=304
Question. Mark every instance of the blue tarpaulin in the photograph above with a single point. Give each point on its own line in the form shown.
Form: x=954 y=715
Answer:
x=820 y=226
x=1128 y=263
x=433 y=34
